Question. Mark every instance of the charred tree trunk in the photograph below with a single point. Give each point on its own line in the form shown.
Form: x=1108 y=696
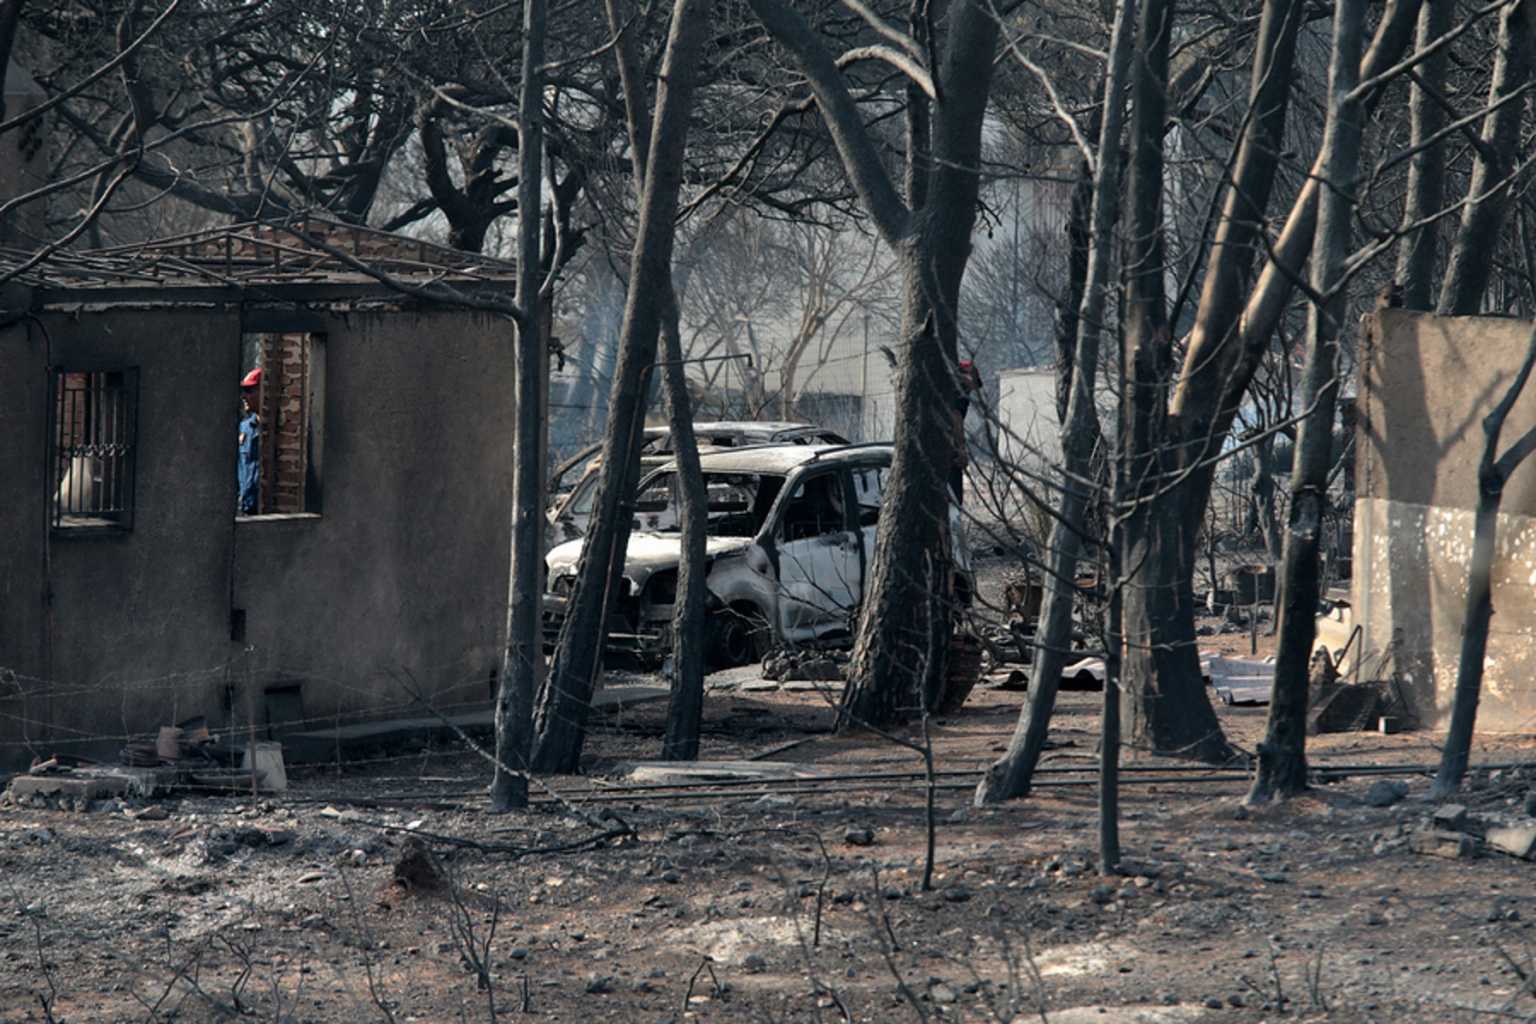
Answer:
x=1426 y=169
x=1146 y=368
x=1262 y=491
x=1282 y=755
x=1078 y=243
x=567 y=695
x=900 y=613
x=523 y=654
x=10 y=17
x=1493 y=473
x=1166 y=707
x=933 y=244
x=1109 y=722
x=1224 y=350
x=689 y=640
x=1010 y=775
x=1471 y=259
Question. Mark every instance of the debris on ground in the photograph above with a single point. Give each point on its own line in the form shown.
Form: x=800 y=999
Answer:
x=1385 y=792
x=1441 y=843
x=809 y=664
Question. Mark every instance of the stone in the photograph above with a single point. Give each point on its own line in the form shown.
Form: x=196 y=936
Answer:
x=754 y=963
x=75 y=788
x=1515 y=840
x=1451 y=845
x=956 y=894
x=417 y=869
x=1450 y=818
x=942 y=994
x=1385 y=792
x=859 y=837
x=153 y=812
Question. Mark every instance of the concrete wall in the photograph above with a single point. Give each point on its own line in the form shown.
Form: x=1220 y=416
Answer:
x=398 y=585
x=1426 y=384
x=1028 y=429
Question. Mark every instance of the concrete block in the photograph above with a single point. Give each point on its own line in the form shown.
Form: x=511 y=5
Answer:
x=1515 y=840
x=1452 y=845
x=70 y=787
x=1451 y=818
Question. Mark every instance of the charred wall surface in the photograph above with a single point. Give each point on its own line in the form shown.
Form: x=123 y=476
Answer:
x=392 y=587
x=1426 y=384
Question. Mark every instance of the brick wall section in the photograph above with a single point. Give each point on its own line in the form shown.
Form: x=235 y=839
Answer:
x=285 y=389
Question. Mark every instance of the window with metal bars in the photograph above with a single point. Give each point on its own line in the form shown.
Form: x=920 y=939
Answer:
x=94 y=442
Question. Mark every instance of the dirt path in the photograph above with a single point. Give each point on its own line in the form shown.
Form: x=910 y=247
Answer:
x=284 y=910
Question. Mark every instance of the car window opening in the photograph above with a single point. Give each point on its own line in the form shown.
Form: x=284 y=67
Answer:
x=738 y=503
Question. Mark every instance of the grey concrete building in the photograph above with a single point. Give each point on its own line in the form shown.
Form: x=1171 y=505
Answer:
x=373 y=571
x=1426 y=382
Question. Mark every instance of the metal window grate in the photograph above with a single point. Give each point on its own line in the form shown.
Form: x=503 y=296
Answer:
x=94 y=439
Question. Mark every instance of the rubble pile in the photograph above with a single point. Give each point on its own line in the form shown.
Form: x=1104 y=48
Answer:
x=1504 y=822
x=185 y=757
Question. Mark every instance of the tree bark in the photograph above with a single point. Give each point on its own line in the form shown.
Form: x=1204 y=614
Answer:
x=566 y=697
x=1262 y=491
x=1010 y=775
x=10 y=16
x=1493 y=472
x=689 y=641
x=523 y=652
x=1471 y=259
x=1282 y=754
x=1175 y=715
x=1426 y=169
x=1109 y=722
x=899 y=612
x=1166 y=708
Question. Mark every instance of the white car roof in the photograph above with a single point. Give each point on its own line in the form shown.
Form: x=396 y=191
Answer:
x=785 y=458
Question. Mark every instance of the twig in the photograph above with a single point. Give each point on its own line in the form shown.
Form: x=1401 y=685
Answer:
x=705 y=964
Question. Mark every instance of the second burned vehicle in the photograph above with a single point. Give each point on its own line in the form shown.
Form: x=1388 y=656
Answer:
x=574 y=482
x=790 y=538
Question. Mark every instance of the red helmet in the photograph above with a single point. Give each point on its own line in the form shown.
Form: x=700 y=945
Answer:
x=252 y=379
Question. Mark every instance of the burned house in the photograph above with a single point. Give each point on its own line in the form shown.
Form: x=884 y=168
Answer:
x=368 y=577
x=1426 y=383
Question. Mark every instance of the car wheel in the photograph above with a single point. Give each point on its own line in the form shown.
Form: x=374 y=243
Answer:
x=739 y=636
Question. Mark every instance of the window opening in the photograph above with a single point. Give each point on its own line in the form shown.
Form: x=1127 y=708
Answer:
x=815 y=508
x=278 y=453
x=868 y=486
x=94 y=446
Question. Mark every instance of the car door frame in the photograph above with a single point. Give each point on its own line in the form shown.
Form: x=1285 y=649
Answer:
x=772 y=542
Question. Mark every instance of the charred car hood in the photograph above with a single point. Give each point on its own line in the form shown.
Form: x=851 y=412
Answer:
x=647 y=554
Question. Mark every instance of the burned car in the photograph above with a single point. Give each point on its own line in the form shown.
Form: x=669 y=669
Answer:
x=791 y=534
x=572 y=508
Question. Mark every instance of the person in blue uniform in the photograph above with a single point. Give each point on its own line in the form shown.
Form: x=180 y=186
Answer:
x=248 y=463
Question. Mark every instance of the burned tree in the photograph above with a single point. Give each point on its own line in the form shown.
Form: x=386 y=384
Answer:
x=1282 y=754
x=566 y=695
x=929 y=231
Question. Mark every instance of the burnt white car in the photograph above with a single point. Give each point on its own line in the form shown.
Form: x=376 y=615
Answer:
x=572 y=509
x=791 y=538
